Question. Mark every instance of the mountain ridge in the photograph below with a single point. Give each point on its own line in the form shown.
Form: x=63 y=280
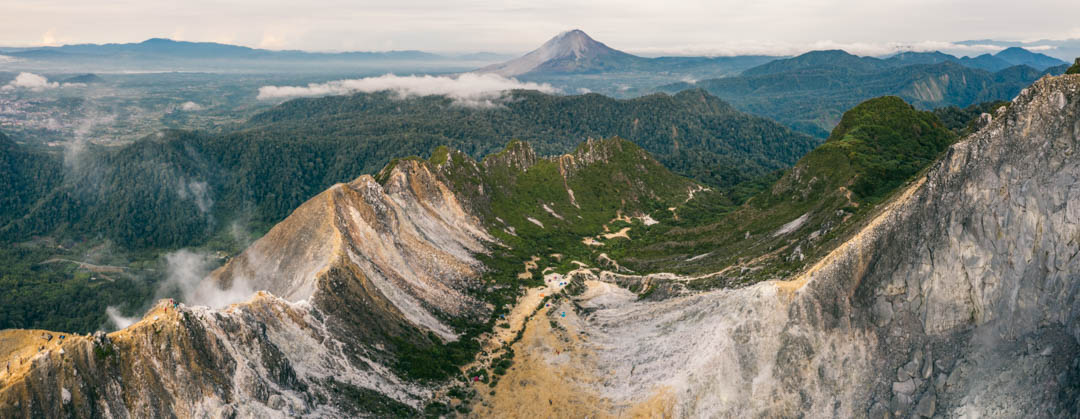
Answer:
x=812 y=97
x=918 y=311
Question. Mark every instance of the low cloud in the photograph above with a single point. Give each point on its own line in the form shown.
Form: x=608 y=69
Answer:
x=1040 y=48
x=118 y=320
x=34 y=82
x=472 y=90
x=30 y=81
x=188 y=273
x=190 y=106
x=196 y=191
x=188 y=281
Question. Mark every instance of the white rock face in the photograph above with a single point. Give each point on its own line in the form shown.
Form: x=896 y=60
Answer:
x=960 y=298
x=348 y=270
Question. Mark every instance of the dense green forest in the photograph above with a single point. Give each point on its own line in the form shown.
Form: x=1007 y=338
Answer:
x=1075 y=69
x=962 y=121
x=44 y=289
x=691 y=132
x=878 y=146
x=810 y=93
x=183 y=188
x=25 y=177
x=179 y=188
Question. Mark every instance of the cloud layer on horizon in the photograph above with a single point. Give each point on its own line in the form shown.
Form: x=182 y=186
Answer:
x=471 y=90
x=34 y=82
x=515 y=27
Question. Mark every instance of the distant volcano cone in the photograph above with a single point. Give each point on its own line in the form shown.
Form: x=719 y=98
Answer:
x=568 y=52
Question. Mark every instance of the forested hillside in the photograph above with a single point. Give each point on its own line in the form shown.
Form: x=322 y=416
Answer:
x=25 y=176
x=691 y=132
x=877 y=147
x=178 y=188
x=809 y=93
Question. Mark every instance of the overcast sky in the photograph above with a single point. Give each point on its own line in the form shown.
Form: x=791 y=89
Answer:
x=512 y=26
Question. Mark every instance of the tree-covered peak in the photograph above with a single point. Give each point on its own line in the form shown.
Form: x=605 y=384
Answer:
x=1075 y=69
x=877 y=146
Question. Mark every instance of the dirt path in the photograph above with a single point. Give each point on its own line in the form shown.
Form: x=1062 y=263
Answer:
x=526 y=305
x=98 y=269
x=553 y=374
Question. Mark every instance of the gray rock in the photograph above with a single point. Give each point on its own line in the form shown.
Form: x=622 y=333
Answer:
x=939 y=384
x=911 y=369
x=883 y=312
x=901 y=404
x=276 y=402
x=927 y=405
x=902 y=374
x=878 y=411
x=904 y=387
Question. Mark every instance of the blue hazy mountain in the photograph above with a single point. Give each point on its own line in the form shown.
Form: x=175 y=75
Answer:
x=1064 y=49
x=167 y=54
x=840 y=59
x=810 y=92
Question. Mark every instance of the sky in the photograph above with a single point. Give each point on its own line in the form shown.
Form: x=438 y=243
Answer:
x=648 y=27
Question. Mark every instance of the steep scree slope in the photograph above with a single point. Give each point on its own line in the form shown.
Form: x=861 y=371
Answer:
x=958 y=298
x=355 y=282
x=351 y=274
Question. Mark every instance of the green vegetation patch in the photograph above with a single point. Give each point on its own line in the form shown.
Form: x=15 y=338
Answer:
x=878 y=147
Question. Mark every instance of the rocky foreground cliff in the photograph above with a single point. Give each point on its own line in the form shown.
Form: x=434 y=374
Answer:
x=348 y=278
x=957 y=297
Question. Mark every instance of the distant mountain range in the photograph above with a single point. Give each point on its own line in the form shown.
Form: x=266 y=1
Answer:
x=158 y=53
x=167 y=48
x=840 y=59
x=574 y=52
x=810 y=92
x=1065 y=49
x=569 y=53
x=989 y=62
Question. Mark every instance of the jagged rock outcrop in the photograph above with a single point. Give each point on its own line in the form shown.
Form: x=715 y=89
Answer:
x=958 y=298
x=955 y=298
x=349 y=274
x=355 y=280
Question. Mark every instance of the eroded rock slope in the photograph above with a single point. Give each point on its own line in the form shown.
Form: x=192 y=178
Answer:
x=958 y=298
x=955 y=298
x=350 y=274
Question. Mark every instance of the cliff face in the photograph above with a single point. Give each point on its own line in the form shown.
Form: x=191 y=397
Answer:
x=349 y=271
x=958 y=297
x=351 y=283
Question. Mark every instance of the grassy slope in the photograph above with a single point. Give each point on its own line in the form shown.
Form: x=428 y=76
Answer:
x=507 y=188
x=878 y=146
